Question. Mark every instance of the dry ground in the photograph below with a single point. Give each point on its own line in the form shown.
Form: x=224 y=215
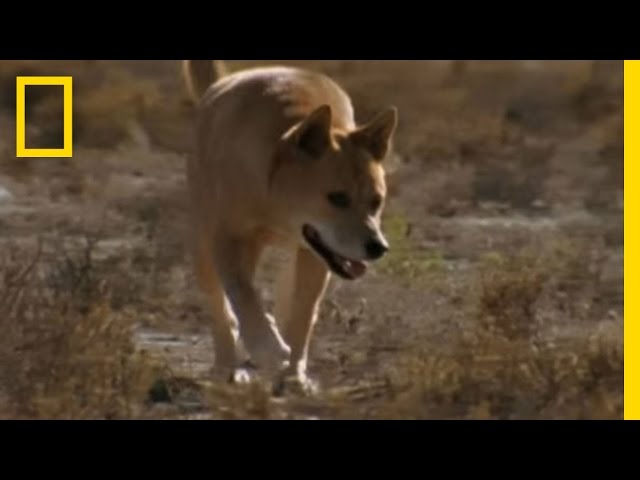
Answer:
x=502 y=296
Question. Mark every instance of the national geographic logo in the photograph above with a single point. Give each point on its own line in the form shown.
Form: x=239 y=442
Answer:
x=21 y=149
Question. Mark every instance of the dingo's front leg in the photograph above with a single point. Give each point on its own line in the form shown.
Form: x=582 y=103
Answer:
x=236 y=260
x=310 y=282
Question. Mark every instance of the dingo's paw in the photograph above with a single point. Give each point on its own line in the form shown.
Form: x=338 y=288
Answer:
x=241 y=375
x=266 y=346
x=297 y=383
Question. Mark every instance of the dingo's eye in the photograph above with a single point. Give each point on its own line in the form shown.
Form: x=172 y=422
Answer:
x=376 y=202
x=339 y=199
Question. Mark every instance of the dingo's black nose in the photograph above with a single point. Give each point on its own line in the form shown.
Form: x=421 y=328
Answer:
x=375 y=249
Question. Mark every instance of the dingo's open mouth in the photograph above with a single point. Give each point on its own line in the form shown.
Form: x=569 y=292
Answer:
x=345 y=267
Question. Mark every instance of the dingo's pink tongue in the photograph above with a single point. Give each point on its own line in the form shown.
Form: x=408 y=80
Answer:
x=345 y=267
x=354 y=268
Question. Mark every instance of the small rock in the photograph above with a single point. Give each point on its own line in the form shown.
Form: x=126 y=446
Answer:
x=5 y=195
x=159 y=392
x=539 y=204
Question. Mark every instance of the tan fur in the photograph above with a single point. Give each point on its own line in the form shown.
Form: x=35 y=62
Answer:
x=272 y=143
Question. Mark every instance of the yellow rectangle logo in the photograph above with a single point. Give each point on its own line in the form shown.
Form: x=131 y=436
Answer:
x=631 y=237
x=21 y=149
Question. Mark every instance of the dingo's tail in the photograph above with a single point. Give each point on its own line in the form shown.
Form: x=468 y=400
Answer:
x=200 y=74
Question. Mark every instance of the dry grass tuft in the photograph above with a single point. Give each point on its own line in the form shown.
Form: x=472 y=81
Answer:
x=64 y=352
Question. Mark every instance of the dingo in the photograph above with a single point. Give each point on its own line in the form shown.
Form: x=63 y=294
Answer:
x=278 y=158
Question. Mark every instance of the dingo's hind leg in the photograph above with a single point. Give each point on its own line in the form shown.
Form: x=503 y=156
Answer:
x=228 y=355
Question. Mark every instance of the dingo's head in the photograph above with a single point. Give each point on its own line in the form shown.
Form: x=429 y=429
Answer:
x=333 y=184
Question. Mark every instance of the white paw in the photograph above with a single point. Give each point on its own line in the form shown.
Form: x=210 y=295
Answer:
x=240 y=376
x=266 y=346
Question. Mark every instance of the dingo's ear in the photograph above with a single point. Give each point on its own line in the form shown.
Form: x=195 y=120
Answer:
x=313 y=134
x=375 y=136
